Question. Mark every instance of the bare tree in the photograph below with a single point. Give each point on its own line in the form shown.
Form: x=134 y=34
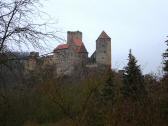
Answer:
x=20 y=27
x=17 y=26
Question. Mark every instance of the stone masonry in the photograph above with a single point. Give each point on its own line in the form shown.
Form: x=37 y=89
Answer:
x=66 y=57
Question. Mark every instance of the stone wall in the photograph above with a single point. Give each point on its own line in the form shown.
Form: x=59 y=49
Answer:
x=70 y=56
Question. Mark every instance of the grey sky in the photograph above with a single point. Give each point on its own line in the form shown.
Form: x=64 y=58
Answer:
x=141 y=25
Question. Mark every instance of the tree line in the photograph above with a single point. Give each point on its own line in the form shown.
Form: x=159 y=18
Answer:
x=107 y=99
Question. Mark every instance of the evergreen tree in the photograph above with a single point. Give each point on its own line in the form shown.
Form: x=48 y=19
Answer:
x=133 y=79
x=165 y=56
x=108 y=91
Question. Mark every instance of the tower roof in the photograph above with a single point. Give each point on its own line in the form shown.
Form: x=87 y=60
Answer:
x=103 y=35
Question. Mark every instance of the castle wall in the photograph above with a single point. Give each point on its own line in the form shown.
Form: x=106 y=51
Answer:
x=31 y=63
x=83 y=57
x=61 y=60
x=67 y=59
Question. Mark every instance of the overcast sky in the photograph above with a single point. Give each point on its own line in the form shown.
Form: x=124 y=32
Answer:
x=141 y=25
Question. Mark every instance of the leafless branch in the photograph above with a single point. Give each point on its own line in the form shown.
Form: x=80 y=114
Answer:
x=17 y=25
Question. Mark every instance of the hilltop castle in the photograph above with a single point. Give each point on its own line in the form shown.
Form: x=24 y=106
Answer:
x=66 y=57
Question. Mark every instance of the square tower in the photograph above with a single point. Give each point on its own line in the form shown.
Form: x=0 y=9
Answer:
x=103 y=50
x=71 y=35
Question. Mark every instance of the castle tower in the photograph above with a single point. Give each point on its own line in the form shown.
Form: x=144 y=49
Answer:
x=73 y=35
x=103 y=50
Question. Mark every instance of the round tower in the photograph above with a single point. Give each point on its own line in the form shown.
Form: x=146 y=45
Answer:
x=103 y=50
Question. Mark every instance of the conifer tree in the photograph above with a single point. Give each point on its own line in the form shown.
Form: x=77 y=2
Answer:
x=133 y=79
x=108 y=92
x=165 y=56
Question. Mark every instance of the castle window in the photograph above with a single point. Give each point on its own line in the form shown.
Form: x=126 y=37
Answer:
x=104 y=51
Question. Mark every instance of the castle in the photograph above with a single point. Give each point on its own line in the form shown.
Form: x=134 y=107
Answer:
x=66 y=57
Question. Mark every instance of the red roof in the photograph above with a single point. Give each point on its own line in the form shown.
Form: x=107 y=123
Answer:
x=62 y=46
x=78 y=43
x=103 y=35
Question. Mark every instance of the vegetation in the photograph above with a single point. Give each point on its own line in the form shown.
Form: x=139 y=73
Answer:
x=115 y=99
x=133 y=80
x=165 y=56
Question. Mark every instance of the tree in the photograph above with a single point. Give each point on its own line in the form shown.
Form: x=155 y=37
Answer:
x=108 y=92
x=165 y=56
x=164 y=98
x=133 y=79
x=17 y=25
x=21 y=25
